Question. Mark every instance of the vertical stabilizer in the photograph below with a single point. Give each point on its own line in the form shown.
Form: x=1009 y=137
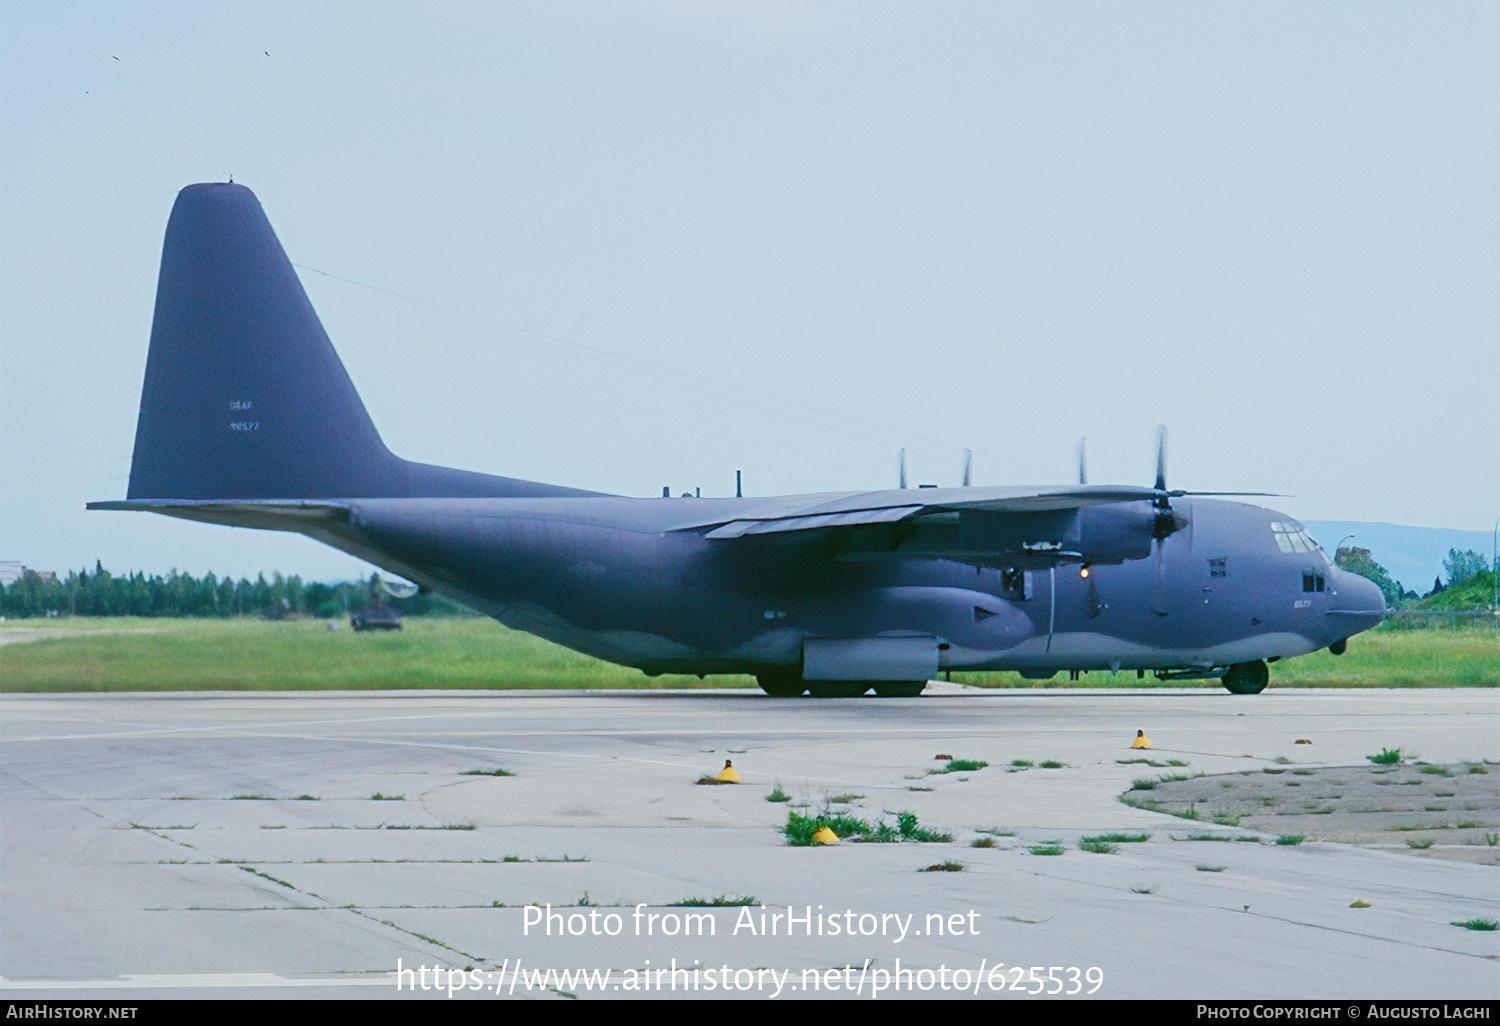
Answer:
x=244 y=396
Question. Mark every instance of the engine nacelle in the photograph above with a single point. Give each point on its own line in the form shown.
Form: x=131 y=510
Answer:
x=1107 y=534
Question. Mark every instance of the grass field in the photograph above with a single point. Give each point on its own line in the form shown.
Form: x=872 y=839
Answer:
x=1466 y=657
x=257 y=655
x=127 y=654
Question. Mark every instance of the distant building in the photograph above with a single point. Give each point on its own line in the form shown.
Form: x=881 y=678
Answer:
x=11 y=572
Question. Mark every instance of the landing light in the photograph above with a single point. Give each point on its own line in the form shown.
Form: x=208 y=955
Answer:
x=1083 y=571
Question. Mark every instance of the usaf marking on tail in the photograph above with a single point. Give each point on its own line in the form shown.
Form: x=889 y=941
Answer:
x=248 y=418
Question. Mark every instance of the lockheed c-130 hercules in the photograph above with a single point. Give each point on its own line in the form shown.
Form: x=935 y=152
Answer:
x=248 y=418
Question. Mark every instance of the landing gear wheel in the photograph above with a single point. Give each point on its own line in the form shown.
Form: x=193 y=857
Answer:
x=837 y=688
x=899 y=688
x=781 y=685
x=1246 y=678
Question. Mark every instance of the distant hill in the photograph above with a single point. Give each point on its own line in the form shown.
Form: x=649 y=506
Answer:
x=1412 y=555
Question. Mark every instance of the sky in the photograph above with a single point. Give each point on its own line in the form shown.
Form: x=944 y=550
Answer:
x=633 y=244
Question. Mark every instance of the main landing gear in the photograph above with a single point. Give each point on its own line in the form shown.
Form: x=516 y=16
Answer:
x=1246 y=678
x=899 y=688
x=786 y=685
x=1241 y=679
x=781 y=685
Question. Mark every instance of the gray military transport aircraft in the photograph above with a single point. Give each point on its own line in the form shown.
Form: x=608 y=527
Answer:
x=248 y=418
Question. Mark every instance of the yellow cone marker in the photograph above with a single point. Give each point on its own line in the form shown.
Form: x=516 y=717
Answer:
x=825 y=836
x=729 y=775
x=1141 y=740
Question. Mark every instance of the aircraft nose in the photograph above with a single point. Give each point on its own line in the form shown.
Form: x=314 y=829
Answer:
x=1358 y=606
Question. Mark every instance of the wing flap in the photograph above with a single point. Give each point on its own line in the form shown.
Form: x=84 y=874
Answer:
x=813 y=522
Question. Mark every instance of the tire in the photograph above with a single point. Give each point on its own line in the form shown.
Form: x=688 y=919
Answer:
x=837 y=688
x=899 y=688
x=781 y=685
x=1246 y=678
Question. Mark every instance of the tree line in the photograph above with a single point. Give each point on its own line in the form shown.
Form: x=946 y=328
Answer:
x=1461 y=568
x=101 y=593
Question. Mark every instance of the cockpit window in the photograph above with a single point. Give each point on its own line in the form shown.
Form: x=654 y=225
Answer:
x=1291 y=537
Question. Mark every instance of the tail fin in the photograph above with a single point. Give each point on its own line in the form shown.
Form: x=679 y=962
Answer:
x=244 y=396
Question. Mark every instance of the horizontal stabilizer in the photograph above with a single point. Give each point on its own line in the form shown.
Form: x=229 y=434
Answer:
x=267 y=515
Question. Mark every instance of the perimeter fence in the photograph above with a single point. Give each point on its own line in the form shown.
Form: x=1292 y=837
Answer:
x=1442 y=619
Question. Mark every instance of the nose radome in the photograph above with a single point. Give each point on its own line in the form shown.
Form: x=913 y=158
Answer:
x=1359 y=604
x=1362 y=594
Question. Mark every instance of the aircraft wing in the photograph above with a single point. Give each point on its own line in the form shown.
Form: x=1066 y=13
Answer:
x=1030 y=528
x=822 y=511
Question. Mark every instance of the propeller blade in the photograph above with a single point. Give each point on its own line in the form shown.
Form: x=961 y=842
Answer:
x=1274 y=495
x=1167 y=519
x=1161 y=464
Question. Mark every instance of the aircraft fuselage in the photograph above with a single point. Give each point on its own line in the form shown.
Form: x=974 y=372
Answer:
x=619 y=579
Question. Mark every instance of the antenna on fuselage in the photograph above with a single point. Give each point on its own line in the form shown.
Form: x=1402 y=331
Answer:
x=968 y=466
x=901 y=464
x=739 y=493
x=1083 y=472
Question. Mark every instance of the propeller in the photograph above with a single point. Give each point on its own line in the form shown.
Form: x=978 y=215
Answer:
x=1167 y=521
